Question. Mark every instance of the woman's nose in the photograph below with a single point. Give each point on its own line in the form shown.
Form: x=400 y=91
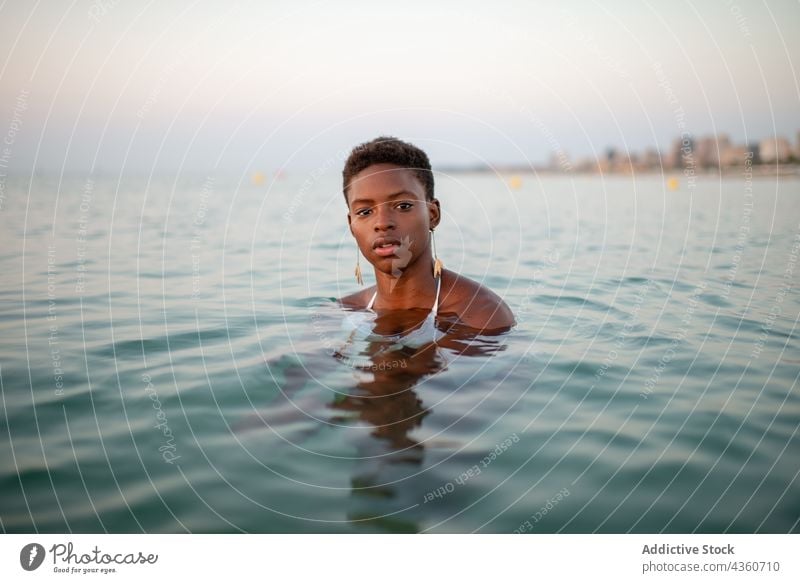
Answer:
x=384 y=217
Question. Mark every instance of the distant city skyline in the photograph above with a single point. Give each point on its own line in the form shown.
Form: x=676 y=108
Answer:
x=697 y=152
x=109 y=86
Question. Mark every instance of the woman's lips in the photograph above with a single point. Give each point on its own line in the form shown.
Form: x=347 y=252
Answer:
x=387 y=250
x=386 y=246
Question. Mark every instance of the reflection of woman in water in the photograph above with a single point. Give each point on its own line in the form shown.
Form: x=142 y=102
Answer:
x=388 y=456
x=392 y=212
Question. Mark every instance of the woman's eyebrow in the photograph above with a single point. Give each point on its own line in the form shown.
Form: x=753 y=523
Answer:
x=395 y=195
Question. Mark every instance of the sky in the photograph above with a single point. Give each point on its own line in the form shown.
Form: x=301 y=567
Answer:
x=116 y=86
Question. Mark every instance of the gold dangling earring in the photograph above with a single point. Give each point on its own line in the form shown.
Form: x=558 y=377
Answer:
x=359 y=279
x=437 y=265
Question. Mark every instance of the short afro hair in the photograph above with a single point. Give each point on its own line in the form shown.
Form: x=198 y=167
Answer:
x=388 y=150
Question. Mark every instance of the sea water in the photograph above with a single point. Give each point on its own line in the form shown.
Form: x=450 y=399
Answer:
x=172 y=360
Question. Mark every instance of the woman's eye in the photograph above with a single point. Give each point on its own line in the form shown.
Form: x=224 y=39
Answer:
x=363 y=212
x=407 y=205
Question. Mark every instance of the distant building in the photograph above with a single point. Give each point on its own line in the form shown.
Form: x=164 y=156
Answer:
x=775 y=150
x=681 y=155
x=651 y=158
x=733 y=156
x=709 y=150
x=755 y=152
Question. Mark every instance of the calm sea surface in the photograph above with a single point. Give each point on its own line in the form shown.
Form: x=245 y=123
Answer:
x=171 y=360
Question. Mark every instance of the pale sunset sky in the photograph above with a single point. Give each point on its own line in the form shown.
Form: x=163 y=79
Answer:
x=111 y=86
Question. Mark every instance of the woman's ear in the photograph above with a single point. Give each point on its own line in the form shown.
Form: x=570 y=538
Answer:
x=434 y=212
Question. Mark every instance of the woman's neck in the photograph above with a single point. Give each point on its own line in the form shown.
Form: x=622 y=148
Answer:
x=414 y=288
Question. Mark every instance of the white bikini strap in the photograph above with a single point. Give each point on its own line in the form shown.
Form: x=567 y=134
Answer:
x=372 y=301
x=435 y=308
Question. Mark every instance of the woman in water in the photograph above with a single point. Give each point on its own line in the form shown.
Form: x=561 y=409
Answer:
x=393 y=346
x=392 y=212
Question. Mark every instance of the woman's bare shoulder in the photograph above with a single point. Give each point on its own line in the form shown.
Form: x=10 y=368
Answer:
x=357 y=300
x=476 y=305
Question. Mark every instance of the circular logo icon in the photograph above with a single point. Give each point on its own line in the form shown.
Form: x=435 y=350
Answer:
x=31 y=556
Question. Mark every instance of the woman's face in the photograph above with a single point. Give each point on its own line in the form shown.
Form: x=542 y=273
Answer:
x=389 y=216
